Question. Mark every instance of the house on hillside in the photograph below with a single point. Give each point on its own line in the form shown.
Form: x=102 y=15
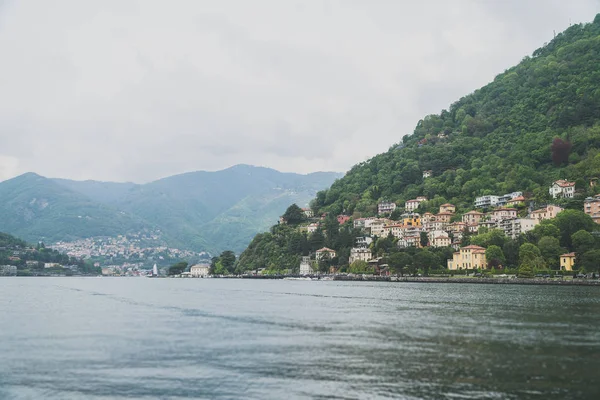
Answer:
x=427 y=174
x=342 y=219
x=448 y=208
x=412 y=205
x=323 y=252
x=591 y=206
x=500 y=214
x=360 y=253
x=308 y=213
x=547 y=212
x=386 y=207
x=562 y=189
x=486 y=201
x=472 y=217
x=517 y=201
x=513 y=227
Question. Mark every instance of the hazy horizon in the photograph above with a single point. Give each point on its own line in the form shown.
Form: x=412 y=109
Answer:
x=138 y=90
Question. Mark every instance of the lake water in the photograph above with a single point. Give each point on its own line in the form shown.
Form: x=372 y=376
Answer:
x=138 y=338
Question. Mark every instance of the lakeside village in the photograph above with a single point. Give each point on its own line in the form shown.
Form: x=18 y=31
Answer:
x=510 y=215
x=125 y=255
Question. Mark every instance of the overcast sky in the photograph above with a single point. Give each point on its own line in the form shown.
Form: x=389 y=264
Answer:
x=137 y=90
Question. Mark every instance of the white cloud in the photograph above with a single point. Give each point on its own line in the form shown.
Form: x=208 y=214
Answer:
x=136 y=90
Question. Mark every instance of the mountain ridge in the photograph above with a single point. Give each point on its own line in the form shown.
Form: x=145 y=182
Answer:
x=180 y=205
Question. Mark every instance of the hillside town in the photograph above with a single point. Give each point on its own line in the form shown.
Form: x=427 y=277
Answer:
x=511 y=213
x=124 y=252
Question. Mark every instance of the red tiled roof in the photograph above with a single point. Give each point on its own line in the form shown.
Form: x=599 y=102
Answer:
x=563 y=183
x=473 y=247
x=568 y=255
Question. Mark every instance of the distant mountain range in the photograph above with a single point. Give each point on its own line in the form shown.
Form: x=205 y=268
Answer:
x=203 y=211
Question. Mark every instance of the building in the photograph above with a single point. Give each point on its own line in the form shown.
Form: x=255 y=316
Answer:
x=486 y=201
x=386 y=207
x=503 y=213
x=411 y=219
x=562 y=189
x=439 y=239
x=504 y=199
x=427 y=174
x=448 y=208
x=412 y=205
x=591 y=206
x=547 y=212
x=360 y=254
x=311 y=228
x=322 y=252
x=359 y=223
x=513 y=227
x=444 y=217
x=377 y=227
x=469 y=257
x=200 y=270
x=472 y=217
x=305 y=267
x=8 y=270
x=567 y=261
x=342 y=219
x=308 y=213
x=517 y=201
x=363 y=241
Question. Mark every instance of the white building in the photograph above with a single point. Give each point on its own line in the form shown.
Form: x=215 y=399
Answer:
x=562 y=188
x=513 y=227
x=386 y=207
x=412 y=205
x=427 y=174
x=363 y=241
x=308 y=213
x=360 y=253
x=324 y=251
x=200 y=270
x=486 y=201
x=305 y=267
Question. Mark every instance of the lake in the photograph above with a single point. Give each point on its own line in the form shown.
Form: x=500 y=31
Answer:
x=139 y=338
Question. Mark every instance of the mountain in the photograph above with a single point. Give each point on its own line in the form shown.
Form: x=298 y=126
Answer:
x=535 y=123
x=39 y=209
x=204 y=211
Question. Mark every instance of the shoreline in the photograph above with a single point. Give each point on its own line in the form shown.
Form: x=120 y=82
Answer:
x=410 y=279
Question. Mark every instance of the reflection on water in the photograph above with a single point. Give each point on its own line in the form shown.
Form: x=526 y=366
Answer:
x=168 y=338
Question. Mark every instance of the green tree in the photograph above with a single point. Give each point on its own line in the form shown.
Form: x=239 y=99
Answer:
x=426 y=260
x=550 y=250
x=400 y=262
x=494 y=256
x=227 y=259
x=424 y=239
x=582 y=241
x=590 y=260
x=177 y=269
x=571 y=221
x=294 y=215
x=525 y=271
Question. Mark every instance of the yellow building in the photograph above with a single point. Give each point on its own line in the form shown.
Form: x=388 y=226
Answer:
x=567 y=261
x=469 y=257
x=411 y=220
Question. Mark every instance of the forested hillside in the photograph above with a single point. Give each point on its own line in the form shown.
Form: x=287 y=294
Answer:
x=535 y=123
